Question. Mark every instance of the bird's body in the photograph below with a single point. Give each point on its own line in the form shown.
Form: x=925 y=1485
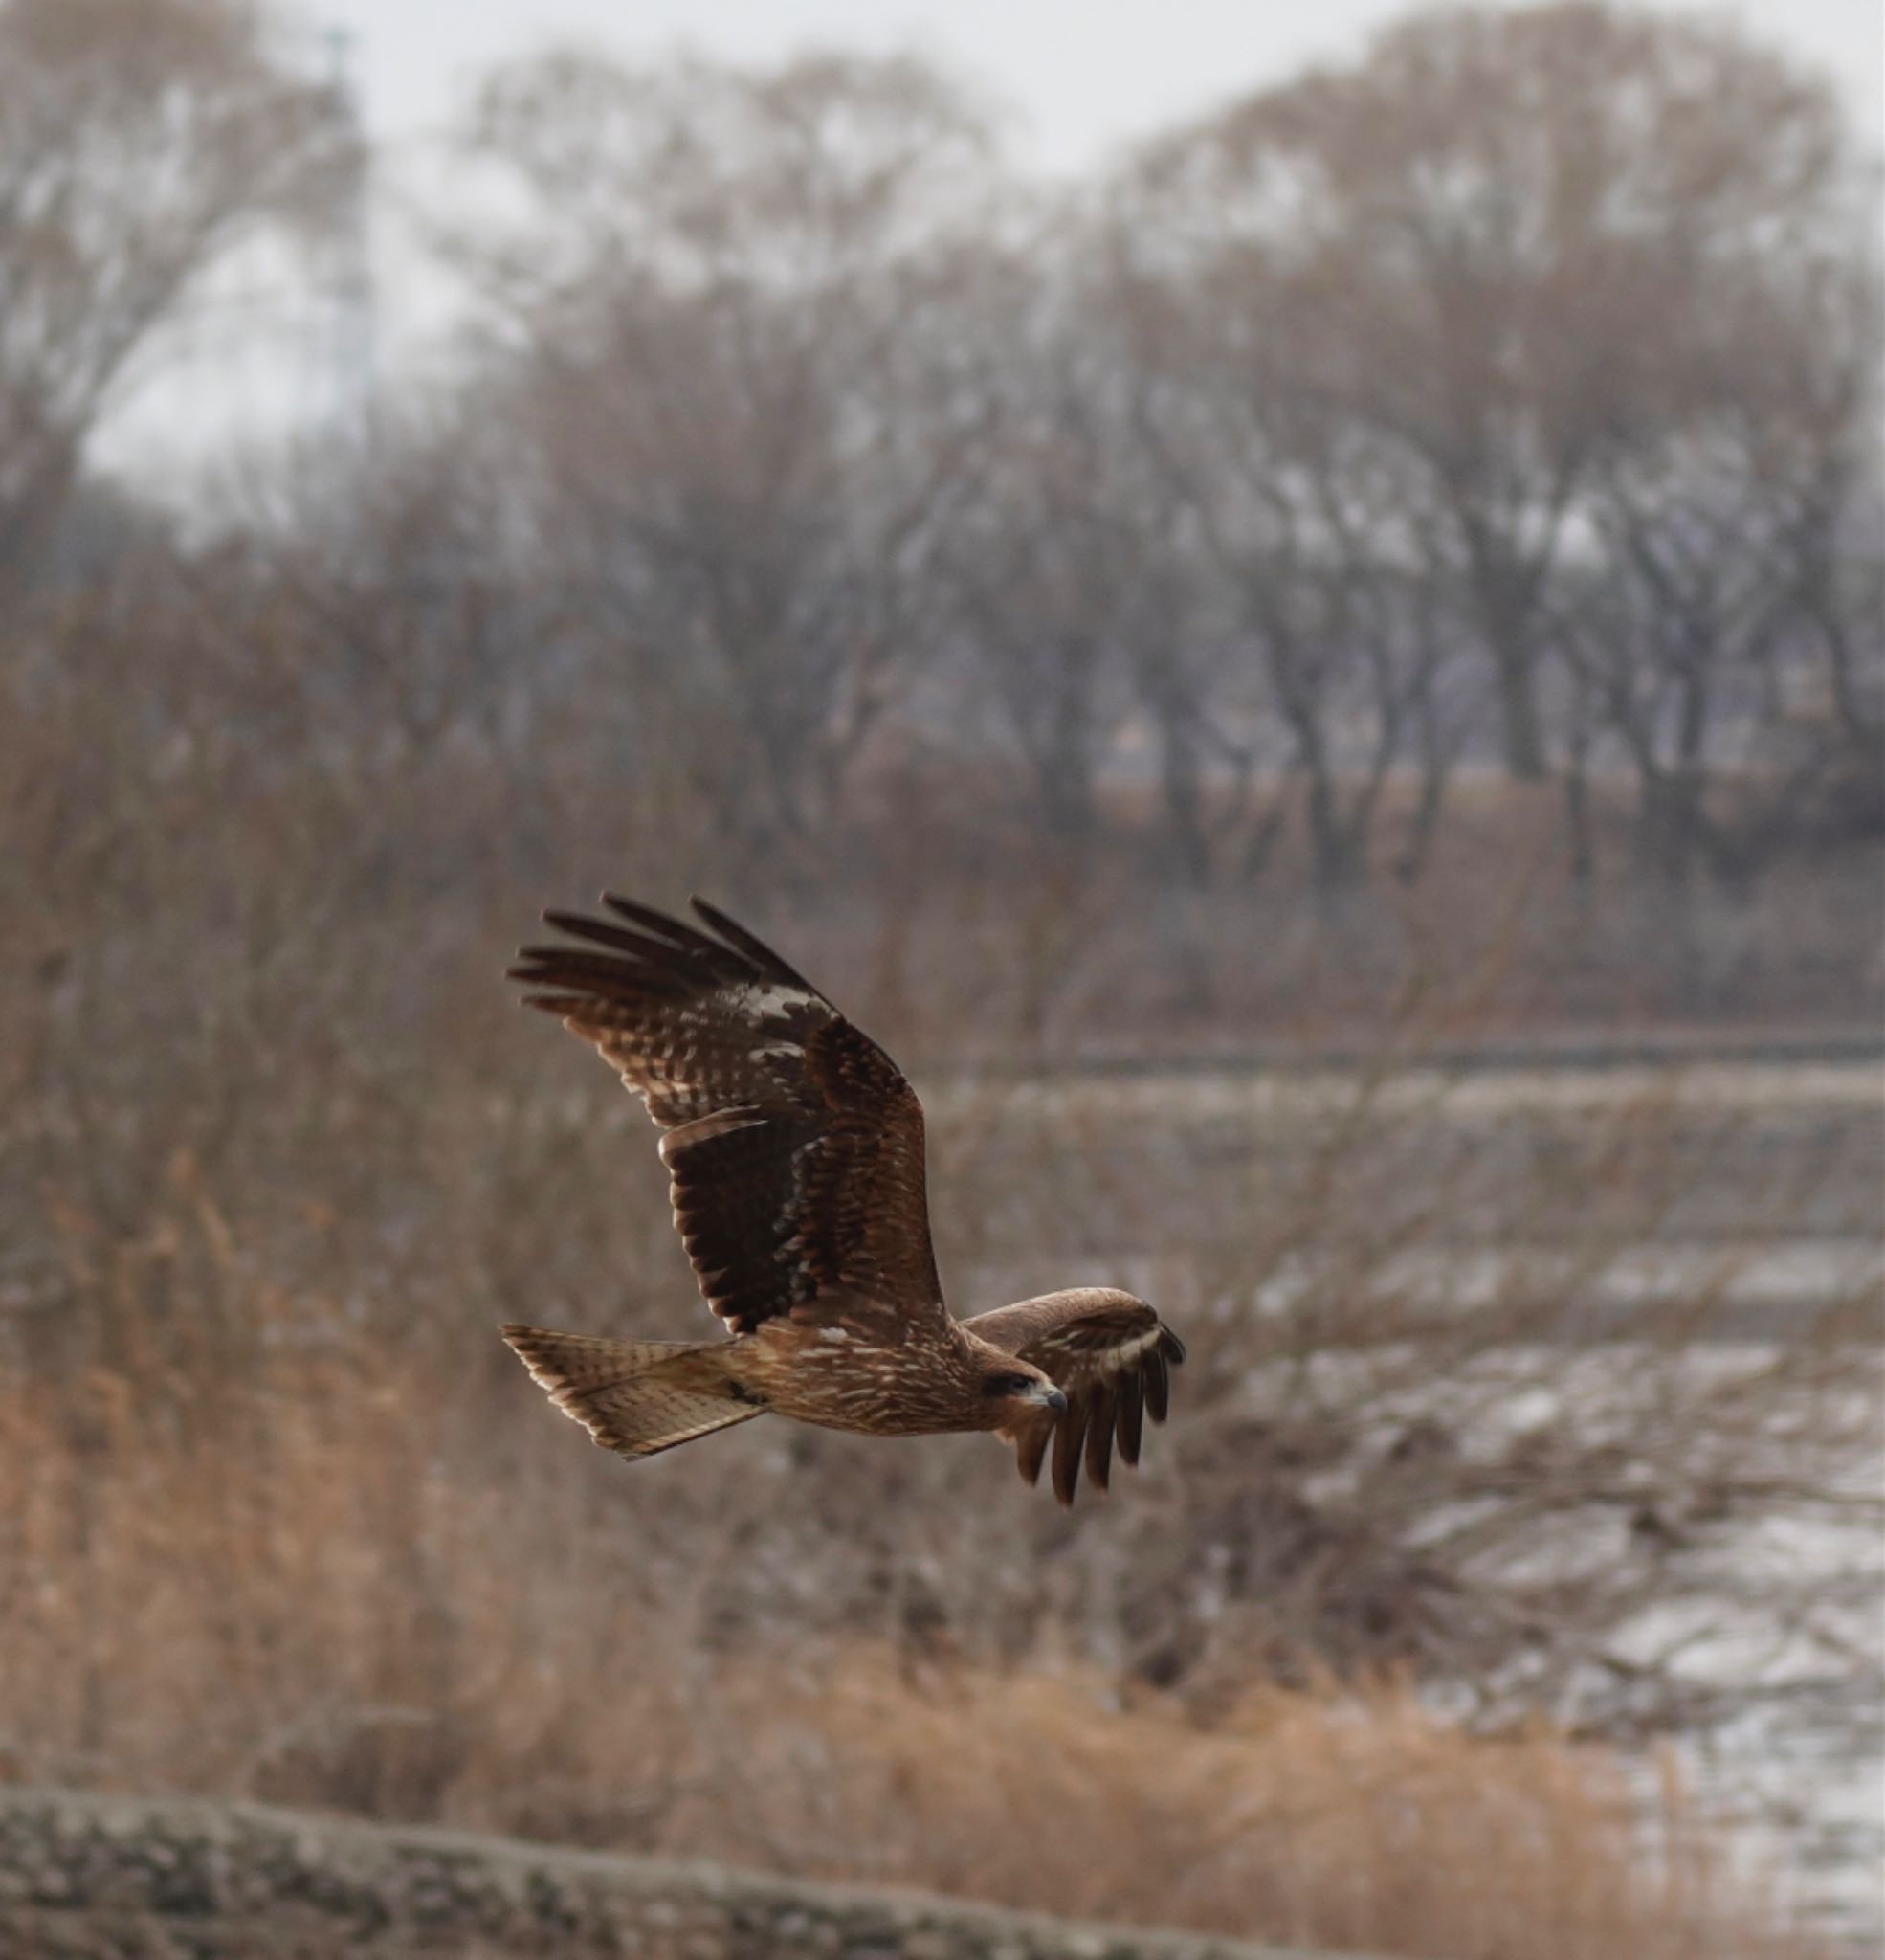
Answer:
x=858 y=1364
x=795 y=1148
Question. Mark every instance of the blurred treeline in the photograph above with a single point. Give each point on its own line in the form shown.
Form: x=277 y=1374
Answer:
x=1453 y=466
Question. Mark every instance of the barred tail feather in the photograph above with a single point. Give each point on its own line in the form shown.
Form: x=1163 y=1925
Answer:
x=634 y=1398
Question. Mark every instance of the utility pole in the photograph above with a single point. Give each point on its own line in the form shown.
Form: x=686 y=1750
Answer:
x=344 y=331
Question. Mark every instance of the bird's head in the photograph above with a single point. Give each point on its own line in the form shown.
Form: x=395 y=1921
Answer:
x=1011 y=1390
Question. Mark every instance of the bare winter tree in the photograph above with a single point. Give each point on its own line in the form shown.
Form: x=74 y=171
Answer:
x=1817 y=358
x=1309 y=528
x=1496 y=220
x=1062 y=575
x=747 y=449
x=1715 y=624
x=139 y=141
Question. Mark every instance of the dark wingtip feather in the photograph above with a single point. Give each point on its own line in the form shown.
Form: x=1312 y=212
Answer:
x=1131 y=1410
x=562 y=1004
x=749 y=946
x=597 y=975
x=1068 y=1436
x=630 y=946
x=1158 y=1386
x=675 y=935
x=1099 y=1440
x=1030 y=1451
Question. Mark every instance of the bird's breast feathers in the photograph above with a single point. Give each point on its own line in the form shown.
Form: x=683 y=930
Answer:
x=864 y=1368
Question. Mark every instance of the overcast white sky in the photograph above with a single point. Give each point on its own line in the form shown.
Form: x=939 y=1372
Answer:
x=1082 y=74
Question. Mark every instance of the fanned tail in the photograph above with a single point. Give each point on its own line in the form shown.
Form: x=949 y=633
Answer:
x=634 y=1398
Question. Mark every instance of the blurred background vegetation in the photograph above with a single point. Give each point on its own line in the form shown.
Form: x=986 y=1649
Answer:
x=1320 y=688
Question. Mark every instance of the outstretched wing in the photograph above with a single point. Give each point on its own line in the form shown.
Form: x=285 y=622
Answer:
x=1111 y=1356
x=794 y=1144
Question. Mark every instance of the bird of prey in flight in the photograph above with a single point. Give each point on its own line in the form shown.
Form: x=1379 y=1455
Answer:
x=795 y=1147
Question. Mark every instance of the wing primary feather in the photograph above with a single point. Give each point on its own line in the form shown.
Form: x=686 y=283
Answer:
x=1069 y=1435
x=1158 y=1386
x=580 y=926
x=562 y=1004
x=603 y=976
x=675 y=934
x=1099 y=1438
x=754 y=948
x=613 y=968
x=1031 y=1450
x=1131 y=1410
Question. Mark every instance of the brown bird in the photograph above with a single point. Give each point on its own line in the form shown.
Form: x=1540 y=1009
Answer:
x=795 y=1147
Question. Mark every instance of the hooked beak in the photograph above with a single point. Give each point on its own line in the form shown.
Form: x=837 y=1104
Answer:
x=1051 y=1398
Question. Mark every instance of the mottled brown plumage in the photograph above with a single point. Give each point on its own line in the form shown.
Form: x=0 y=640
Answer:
x=795 y=1153
x=1110 y=1355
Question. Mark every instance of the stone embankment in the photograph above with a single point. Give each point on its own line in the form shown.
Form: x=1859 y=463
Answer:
x=97 y=1877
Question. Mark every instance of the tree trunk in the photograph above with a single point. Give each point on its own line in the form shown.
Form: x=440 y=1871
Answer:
x=1520 y=728
x=1180 y=783
x=1335 y=845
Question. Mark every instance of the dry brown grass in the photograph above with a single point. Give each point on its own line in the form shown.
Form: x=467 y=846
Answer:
x=288 y=1592
x=1350 y=1818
